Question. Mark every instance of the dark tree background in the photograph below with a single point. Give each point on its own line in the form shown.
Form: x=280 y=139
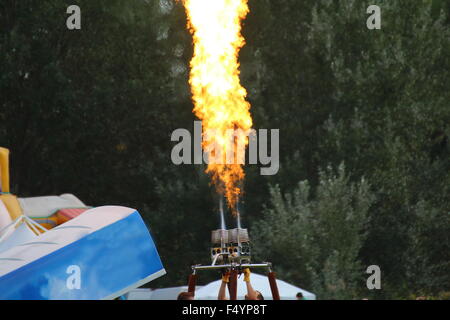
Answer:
x=364 y=118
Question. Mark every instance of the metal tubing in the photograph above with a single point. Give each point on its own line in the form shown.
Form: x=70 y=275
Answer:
x=233 y=266
x=273 y=286
x=192 y=283
x=232 y=287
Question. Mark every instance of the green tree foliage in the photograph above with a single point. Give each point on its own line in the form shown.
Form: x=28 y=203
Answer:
x=377 y=100
x=391 y=122
x=315 y=238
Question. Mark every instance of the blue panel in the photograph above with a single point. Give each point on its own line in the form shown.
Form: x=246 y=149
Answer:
x=109 y=260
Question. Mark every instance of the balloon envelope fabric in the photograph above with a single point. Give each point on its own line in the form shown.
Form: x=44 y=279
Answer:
x=101 y=254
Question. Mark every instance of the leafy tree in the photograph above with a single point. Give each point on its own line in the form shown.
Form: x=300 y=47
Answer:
x=315 y=238
x=390 y=118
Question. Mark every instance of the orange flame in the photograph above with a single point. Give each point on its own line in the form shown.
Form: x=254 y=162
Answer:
x=218 y=96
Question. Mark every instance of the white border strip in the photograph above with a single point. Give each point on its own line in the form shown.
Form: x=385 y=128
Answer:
x=151 y=277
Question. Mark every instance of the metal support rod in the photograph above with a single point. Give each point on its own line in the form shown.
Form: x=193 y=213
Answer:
x=192 y=282
x=232 y=287
x=232 y=266
x=273 y=286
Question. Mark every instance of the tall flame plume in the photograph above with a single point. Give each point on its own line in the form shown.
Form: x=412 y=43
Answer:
x=219 y=99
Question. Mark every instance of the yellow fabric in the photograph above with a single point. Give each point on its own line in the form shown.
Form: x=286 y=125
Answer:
x=246 y=274
x=12 y=204
x=4 y=170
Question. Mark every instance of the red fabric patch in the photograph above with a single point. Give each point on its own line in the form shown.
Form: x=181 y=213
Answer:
x=68 y=214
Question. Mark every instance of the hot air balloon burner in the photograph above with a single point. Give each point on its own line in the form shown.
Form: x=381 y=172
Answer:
x=230 y=246
x=230 y=251
x=219 y=248
x=239 y=245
